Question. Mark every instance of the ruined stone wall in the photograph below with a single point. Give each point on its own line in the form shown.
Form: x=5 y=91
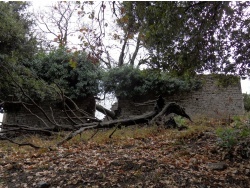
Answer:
x=212 y=101
x=22 y=116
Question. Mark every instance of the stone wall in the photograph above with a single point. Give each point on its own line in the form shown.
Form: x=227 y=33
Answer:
x=22 y=116
x=212 y=101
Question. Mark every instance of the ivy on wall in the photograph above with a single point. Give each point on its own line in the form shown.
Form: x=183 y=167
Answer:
x=226 y=80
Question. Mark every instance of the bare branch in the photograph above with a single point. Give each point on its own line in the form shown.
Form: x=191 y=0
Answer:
x=79 y=131
x=149 y=117
x=105 y=111
x=20 y=144
x=35 y=115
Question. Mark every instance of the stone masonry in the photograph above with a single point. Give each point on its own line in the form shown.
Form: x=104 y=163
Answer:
x=211 y=101
x=22 y=116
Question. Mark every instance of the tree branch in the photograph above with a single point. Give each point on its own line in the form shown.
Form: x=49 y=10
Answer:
x=20 y=144
x=132 y=61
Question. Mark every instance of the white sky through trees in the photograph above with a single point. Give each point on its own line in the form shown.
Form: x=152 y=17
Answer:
x=40 y=5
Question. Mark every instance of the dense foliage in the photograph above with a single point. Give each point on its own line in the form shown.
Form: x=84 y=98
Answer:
x=22 y=83
x=246 y=99
x=185 y=37
x=73 y=72
x=131 y=82
x=16 y=45
x=16 y=40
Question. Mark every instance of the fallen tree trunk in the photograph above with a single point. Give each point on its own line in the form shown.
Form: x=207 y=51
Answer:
x=148 y=118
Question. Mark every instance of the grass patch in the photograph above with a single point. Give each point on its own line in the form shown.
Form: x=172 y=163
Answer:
x=232 y=134
x=102 y=136
x=228 y=135
x=192 y=133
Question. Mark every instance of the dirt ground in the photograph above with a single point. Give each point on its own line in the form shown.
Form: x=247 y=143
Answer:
x=163 y=158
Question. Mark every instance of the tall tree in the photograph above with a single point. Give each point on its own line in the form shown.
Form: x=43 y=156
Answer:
x=189 y=37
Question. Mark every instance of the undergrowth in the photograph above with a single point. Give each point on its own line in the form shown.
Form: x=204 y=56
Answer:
x=231 y=135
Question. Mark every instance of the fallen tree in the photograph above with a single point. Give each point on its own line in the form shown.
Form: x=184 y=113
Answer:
x=148 y=118
x=160 y=109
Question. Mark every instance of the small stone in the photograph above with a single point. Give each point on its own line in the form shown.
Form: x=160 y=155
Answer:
x=247 y=172
x=193 y=161
x=234 y=171
x=217 y=166
x=43 y=184
x=9 y=166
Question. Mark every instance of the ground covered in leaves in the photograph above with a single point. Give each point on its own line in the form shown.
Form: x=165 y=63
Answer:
x=133 y=157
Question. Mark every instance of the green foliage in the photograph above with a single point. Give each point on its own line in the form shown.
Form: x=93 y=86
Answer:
x=245 y=132
x=21 y=82
x=16 y=45
x=74 y=72
x=16 y=40
x=227 y=137
x=226 y=80
x=180 y=120
x=246 y=99
x=185 y=37
x=131 y=82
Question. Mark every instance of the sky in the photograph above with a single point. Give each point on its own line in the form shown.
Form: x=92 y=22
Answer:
x=245 y=86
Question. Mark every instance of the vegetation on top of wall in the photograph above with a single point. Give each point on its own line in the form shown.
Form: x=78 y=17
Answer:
x=129 y=82
x=246 y=100
x=225 y=80
x=24 y=85
x=75 y=72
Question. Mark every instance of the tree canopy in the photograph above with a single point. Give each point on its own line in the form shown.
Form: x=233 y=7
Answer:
x=180 y=38
x=191 y=36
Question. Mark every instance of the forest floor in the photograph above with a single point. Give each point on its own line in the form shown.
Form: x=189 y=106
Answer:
x=134 y=157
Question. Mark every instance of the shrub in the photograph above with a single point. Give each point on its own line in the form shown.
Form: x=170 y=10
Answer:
x=228 y=137
x=246 y=99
